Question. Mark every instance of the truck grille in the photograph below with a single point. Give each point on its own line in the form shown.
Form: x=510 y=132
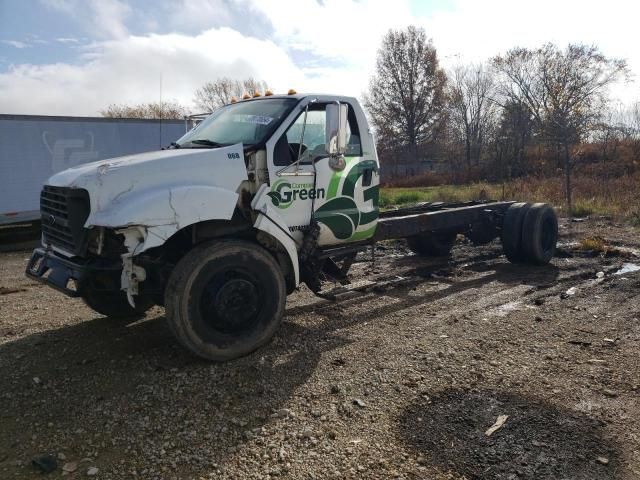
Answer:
x=63 y=212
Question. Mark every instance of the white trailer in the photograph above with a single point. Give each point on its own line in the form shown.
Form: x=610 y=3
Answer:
x=32 y=148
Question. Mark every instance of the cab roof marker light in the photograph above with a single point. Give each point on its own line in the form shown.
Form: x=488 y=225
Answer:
x=268 y=93
x=233 y=100
x=245 y=96
x=291 y=92
x=256 y=94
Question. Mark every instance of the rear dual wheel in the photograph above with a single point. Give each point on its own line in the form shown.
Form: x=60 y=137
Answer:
x=225 y=298
x=530 y=233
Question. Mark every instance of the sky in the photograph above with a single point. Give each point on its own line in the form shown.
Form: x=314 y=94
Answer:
x=75 y=57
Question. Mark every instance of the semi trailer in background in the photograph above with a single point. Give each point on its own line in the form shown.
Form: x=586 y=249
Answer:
x=33 y=147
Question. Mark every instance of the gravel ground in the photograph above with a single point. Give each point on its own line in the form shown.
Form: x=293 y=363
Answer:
x=402 y=383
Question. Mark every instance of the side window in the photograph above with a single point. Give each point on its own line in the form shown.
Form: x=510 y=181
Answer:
x=313 y=143
x=354 y=147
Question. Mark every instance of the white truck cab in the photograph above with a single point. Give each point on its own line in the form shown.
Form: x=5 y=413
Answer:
x=272 y=175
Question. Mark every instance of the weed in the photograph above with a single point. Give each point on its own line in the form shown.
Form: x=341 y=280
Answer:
x=593 y=244
x=581 y=209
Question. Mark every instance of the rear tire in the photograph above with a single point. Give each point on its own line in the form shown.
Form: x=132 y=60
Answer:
x=116 y=305
x=432 y=245
x=539 y=234
x=512 y=232
x=225 y=298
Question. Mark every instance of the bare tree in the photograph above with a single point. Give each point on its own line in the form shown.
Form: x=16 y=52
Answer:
x=251 y=86
x=632 y=123
x=215 y=94
x=610 y=131
x=565 y=91
x=406 y=97
x=472 y=108
x=153 y=110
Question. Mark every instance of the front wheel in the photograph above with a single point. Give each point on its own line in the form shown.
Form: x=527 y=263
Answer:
x=115 y=304
x=225 y=298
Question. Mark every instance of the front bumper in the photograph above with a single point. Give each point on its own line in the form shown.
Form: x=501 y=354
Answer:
x=72 y=276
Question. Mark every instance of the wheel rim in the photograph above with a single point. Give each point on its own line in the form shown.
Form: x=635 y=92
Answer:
x=231 y=302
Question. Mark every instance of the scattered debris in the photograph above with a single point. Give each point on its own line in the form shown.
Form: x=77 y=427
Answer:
x=497 y=425
x=46 y=463
x=571 y=291
x=358 y=402
x=600 y=275
x=7 y=291
x=603 y=460
x=283 y=413
x=627 y=268
x=70 y=467
x=582 y=343
x=92 y=472
x=610 y=393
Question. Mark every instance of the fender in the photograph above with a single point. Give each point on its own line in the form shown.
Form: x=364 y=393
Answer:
x=271 y=222
x=164 y=211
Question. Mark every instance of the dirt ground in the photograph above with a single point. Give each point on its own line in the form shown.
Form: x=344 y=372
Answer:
x=402 y=383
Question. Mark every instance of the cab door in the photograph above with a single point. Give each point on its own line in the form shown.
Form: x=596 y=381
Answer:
x=341 y=194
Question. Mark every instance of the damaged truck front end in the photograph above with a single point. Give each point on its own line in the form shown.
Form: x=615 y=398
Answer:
x=108 y=228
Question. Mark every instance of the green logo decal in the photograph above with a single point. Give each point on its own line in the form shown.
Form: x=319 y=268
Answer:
x=283 y=193
x=340 y=213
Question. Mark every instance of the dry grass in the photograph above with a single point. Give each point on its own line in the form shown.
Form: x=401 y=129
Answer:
x=598 y=245
x=593 y=244
x=615 y=197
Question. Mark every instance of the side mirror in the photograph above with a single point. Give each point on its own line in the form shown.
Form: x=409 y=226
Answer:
x=336 y=128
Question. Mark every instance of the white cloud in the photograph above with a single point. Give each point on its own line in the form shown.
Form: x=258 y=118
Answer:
x=341 y=31
x=327 y=46
x=129 y=71
x=67 y=40
x=473 y=31
x=16 y=43
x=101 y=18
x=108 y=17
x=200 y=13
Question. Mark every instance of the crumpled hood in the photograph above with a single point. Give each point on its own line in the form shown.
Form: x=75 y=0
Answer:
x=116 y=183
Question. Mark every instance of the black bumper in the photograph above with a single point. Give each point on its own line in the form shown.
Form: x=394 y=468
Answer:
x=59 y=272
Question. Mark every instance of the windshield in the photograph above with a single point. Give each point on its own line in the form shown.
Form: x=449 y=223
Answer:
x=249 y=123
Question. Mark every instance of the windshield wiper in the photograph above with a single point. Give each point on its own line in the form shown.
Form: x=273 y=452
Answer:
x=206 y=142
x=174 y=145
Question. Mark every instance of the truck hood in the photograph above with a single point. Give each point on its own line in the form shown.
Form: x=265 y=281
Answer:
x=118 y=183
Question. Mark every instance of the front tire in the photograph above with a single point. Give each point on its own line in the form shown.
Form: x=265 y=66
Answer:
x=115 y=305
x=225 y=299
